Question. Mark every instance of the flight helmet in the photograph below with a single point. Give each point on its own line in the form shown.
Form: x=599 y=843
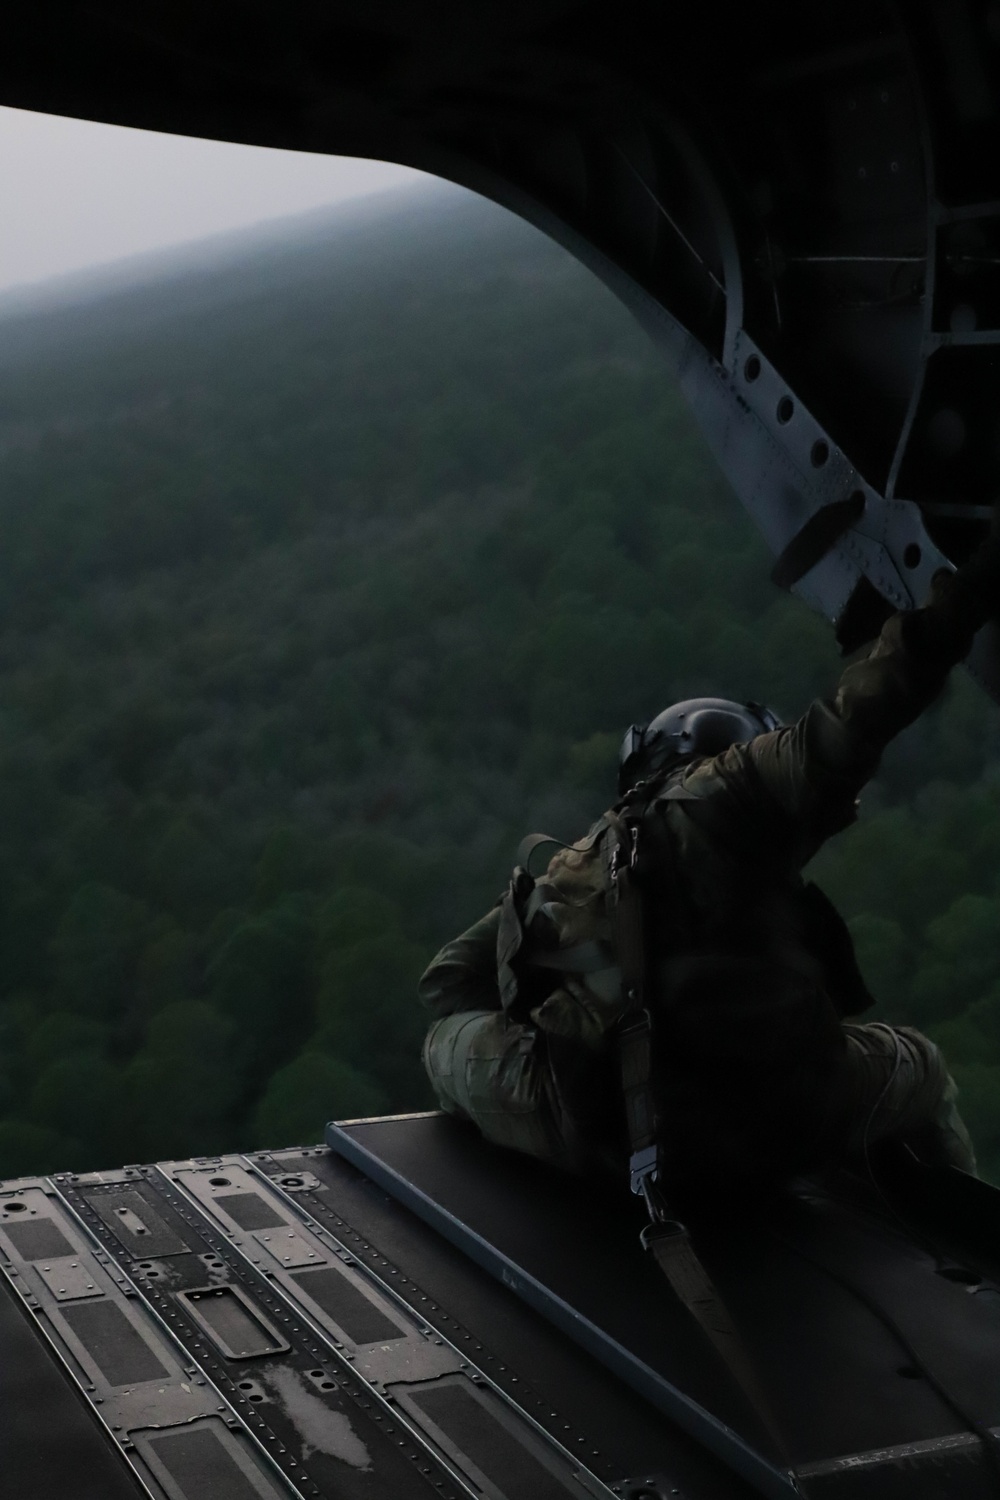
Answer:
x=695 y=727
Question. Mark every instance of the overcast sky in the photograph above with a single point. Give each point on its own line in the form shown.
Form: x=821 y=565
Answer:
x=75 y=194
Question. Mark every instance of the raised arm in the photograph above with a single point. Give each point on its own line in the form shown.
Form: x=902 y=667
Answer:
x=806 y=777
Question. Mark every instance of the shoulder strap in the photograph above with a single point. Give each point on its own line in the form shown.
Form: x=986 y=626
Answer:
x=635 y=1054
x=530 y=843
x=667 y=1239
x=669 y=1242
x=533 y=841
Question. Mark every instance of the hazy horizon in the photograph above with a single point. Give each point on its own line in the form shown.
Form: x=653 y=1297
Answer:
x=82 y=196
x=104 y=278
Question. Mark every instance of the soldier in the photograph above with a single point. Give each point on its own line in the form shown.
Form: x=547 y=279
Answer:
x=756 y=1069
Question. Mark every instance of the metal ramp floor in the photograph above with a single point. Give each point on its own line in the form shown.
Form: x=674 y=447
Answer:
x=405 y=1312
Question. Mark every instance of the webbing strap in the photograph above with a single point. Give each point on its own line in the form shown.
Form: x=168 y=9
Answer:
x=673 y=1252
x=530 y=843
x=629 y=938
x=542 y=894
x=635 y=1040
x=635 y=1061
x=667 y=1239
x=533 y=841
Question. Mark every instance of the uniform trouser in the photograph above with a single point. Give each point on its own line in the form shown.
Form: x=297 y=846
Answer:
x=891 y=1083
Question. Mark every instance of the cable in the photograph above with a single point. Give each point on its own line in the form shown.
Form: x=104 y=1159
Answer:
x=671 y=221
x=897 y=1062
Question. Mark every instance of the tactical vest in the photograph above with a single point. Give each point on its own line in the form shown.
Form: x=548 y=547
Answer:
x=735 y=1033
x=559 y=923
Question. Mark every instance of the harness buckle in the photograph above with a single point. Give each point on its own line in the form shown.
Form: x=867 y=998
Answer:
x=660 y=1230
x=631 y=858
x=644 y=1177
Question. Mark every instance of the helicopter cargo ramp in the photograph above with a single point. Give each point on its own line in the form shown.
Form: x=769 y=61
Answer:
x=406 y=1311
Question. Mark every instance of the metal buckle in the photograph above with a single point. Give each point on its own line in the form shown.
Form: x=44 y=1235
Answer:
x=644 y=1170
x=659 y=1230
x=631 y=859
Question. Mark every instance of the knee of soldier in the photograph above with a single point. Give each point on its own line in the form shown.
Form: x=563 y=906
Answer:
x=945 y=1139
x=477 y=1060
x=484 y=1064
x=903 y=1054
x=444 y=1057
x=927 y=1063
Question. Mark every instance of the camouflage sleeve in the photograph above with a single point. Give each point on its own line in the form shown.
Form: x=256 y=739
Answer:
x=811 y=772
x=463 y=976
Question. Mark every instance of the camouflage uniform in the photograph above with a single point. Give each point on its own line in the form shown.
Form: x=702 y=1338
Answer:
x=540 y=1077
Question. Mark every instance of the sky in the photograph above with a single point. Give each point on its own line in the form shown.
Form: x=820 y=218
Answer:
x=76 y=194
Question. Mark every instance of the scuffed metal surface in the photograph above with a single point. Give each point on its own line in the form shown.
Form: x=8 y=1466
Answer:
x=321 y=1430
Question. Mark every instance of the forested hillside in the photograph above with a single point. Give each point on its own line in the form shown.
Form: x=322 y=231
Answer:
x=330 y=564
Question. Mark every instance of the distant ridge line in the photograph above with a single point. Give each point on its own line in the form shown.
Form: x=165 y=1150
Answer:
x=77 y=288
